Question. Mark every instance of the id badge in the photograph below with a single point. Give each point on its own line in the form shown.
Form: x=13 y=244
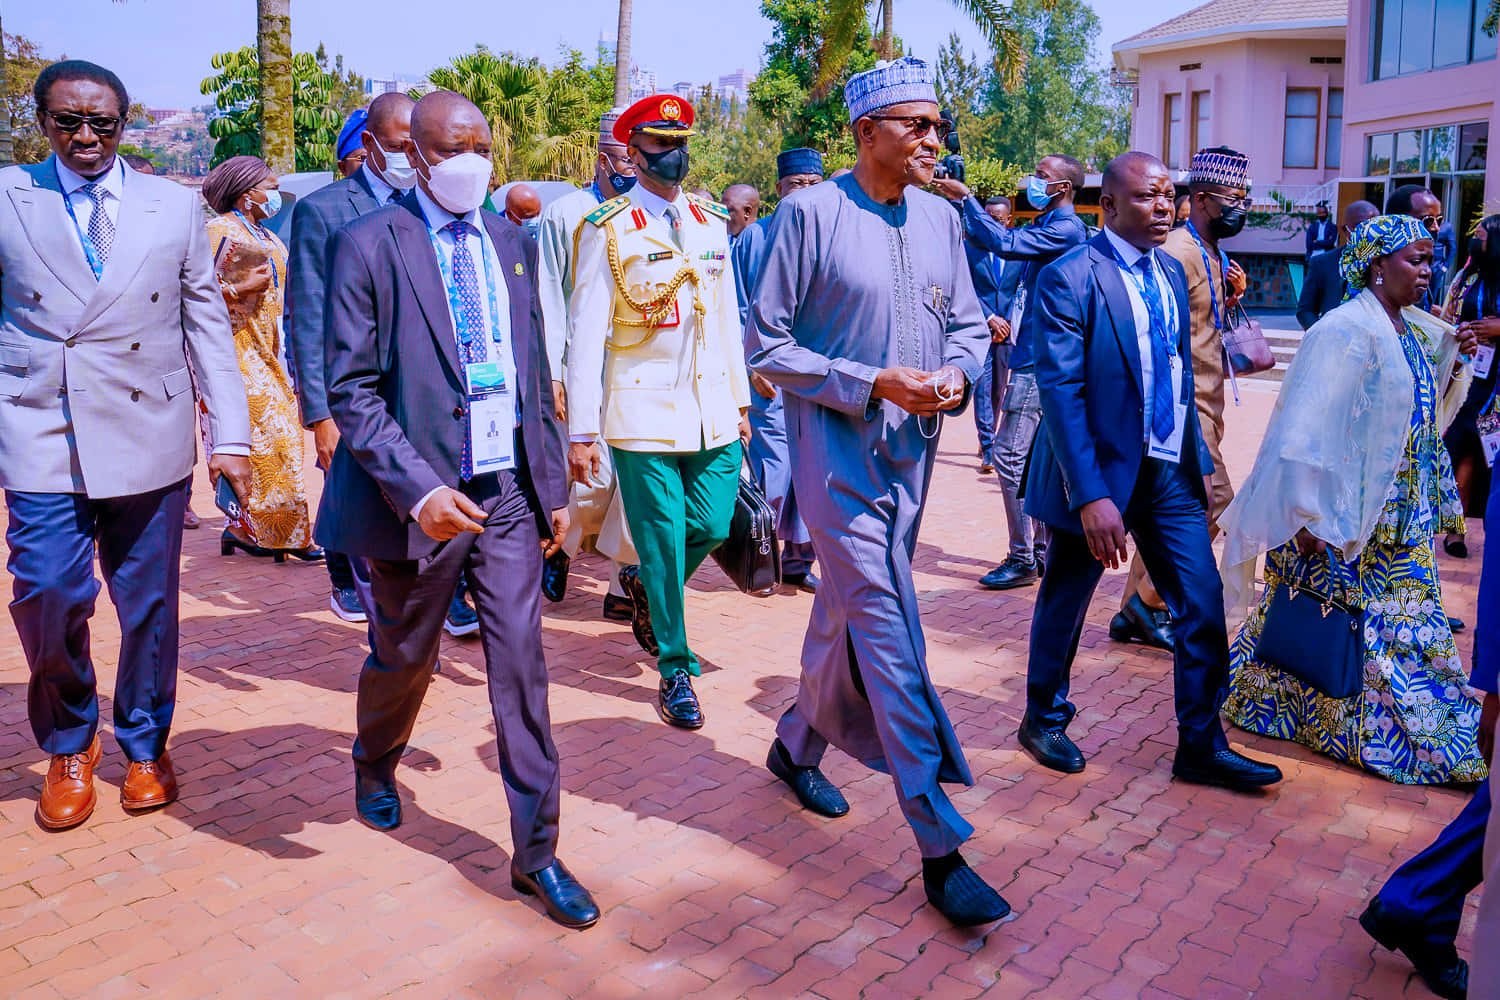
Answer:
x=1170 y=450
x=492 y=418
x=1484 y=360
x=1488 y=426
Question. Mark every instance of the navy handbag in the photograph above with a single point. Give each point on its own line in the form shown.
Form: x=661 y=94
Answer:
x=1314 y=637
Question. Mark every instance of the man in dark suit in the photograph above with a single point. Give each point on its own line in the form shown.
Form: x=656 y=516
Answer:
x=995 y=283
x=1323 y=286
x=1121 y=451
x=1322 y=236
x=434 y=329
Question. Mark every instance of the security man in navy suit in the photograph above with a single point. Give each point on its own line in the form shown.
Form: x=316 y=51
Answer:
x=1121 y=452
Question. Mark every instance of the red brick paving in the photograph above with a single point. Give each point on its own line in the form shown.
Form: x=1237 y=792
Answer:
x=260 y=882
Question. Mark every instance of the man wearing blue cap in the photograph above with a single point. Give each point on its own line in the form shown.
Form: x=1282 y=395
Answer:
x=349 y=150
x=770 y=460
x=864 y=316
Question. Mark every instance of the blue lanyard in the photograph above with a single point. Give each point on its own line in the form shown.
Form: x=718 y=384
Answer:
x=1140 y=287
x=445 y=265
x=1213 y=294
x=90 y=251
x=598 y=195
x=275 y=278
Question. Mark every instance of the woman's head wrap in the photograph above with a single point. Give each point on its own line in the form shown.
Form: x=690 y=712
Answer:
x=232 y=178
x=349 y=135
x=1373 y=238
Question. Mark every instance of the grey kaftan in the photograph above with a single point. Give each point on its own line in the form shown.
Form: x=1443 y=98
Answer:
x=849 y=287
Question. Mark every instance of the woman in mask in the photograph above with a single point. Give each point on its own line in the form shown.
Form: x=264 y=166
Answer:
x=1475 y=296
x=1351 y=484
x=251 y=266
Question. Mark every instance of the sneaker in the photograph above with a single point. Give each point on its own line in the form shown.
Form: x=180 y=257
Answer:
x=462 y=620
x=344 y=603
x=1008 y=575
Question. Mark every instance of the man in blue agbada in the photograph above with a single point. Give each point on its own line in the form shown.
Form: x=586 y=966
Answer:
x=865 y=317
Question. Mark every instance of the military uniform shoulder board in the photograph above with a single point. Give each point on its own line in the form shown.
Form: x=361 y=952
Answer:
x=703 y=205
x=608 y=210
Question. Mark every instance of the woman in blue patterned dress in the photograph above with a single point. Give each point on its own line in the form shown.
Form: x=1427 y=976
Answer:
x=1351 y=484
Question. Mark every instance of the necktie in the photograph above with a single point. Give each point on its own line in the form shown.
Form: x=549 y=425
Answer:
x=1163 y=419
x=395 y=197
x=468 y=316
x=675 y=218
x=101 y=229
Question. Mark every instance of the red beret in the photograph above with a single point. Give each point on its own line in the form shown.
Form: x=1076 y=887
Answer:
x=665 y=115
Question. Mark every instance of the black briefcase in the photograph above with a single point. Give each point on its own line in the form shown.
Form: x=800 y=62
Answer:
x=751 y=555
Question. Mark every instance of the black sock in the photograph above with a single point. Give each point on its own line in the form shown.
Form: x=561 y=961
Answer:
x=785 y=756
x=935 y=870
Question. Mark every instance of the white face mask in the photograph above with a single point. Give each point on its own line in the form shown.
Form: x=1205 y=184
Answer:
x=398 y=172
x=460 y=182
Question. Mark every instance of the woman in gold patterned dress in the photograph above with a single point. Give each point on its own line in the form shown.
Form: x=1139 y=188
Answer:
x=251 y=264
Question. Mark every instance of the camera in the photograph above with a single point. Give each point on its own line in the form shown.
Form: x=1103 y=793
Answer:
x=952 y=165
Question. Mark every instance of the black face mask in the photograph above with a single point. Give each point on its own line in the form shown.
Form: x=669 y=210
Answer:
x=669 y=166
x=1229 y=223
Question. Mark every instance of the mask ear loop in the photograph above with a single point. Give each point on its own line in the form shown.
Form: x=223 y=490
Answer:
x=946 y=394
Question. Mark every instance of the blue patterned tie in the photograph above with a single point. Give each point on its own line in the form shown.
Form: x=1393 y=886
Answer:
x=468 y=317
x=101 y=229
x=1163 y=349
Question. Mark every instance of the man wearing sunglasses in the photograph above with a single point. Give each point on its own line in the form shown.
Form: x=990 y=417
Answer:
x=107 y=292
x=865 y=317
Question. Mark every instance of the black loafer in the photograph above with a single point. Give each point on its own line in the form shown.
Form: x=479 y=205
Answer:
x=1009 y=575
x=555 y=576
x=815 y=792
x=563 y=897
x=676 y=702
x=1456 y=624
x=1226 y=769
x=964 y=898
x=1441 y=969
x=1148 y=626
x=805 y=582
x=377 y=802
x=1050 y=748
x=640 y=609
x=617 y=608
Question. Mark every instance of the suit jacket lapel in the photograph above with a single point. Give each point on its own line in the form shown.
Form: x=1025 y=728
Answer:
x=135 y=226
x=518 y=290
x=49 y=228
x=361 y=198
x=1177 y=281
x=420 y=260
x=1117 y=305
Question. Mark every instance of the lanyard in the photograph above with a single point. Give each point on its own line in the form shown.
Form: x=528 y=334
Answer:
x=252 y=230
x=598 y=195
x=1140 y=286
x=445 y=265
x=1213 y=295
x=89 y=250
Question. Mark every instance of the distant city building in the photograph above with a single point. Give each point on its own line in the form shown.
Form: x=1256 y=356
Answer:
x=642 y=83
x=686 y=88
x=400 y=84
x=735 y=85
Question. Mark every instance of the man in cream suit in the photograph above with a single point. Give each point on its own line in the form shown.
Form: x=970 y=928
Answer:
x=656 y=370
x=107 y=291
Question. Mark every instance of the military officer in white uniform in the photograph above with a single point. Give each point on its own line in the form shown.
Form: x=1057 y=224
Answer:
x=656 y=372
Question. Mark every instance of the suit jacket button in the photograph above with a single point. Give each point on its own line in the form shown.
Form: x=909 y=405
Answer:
x=71 y=341
x=36 y=296
x=155 y=296
x=458 y=413
x=135 y=395
x=136 y=346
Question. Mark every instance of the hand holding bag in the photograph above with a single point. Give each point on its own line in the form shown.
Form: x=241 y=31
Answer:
x=1246 y=350
x=751 y=555
x=1314 y=637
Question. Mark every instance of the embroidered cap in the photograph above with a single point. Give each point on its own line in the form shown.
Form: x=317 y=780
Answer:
x=799 y=161
x=1220 y=165
x=607 y=125
x=894 y=82
x=665 y=115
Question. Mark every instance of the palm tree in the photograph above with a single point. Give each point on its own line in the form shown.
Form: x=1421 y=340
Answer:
x=993 y=17
x=7 y=155
x=273 y=37
x=622 y=53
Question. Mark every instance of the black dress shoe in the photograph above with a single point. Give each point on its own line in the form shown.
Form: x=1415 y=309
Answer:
x=676 y=702
x=564 y=898
x=1138 y=623
x=640 y=609
x=1226 y=769
x=805 y=582
x=1456 y=624
x=555 y=576
x=962 y=896
x=378 y=803
x=312 y=553
x=1050 y=748
x=1008 y=575
x=814 y=791
x=617 y=608
x=1441 y=969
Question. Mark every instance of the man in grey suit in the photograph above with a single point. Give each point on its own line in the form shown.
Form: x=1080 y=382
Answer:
x=107 y=291
x=434 y=331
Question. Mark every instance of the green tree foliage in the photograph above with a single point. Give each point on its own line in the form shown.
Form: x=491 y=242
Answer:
x=544 y=121
x=236 y=126
x=23 y=61
x=347 y=86
x=735 y=144
x=782 y=92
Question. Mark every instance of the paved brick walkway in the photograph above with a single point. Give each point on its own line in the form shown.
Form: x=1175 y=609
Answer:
x=260 y=882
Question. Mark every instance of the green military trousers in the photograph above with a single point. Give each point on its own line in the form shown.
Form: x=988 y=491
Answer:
x=678 y=506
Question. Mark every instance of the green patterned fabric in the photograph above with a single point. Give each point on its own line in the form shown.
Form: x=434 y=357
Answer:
x=1416 y=722
x=1384 y=234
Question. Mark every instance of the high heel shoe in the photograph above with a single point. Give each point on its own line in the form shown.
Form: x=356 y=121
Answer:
x=312 y=553
x=229 y=541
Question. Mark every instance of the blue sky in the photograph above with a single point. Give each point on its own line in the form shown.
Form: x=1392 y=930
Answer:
x=161 y=47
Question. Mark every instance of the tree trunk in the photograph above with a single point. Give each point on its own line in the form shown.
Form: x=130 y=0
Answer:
x=887 y=49
x=273 y=31
x=7 y=151
x=622 y=54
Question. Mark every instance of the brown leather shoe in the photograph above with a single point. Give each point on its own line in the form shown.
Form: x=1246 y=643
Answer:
x=149 y=784
x=68 y=790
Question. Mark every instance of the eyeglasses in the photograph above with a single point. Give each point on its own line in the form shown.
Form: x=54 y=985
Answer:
x=917 y=126
x=67 y=121
x=1229 y=202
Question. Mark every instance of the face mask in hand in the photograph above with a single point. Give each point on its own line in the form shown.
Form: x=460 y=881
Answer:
x=669 y=166
x=398 y=172
x=1229 y=223
x=458 y=183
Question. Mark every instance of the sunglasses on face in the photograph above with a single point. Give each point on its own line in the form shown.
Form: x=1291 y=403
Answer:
x=917 y=126
x=67 y=121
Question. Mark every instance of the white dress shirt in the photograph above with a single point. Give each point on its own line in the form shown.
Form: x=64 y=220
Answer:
x=378 y=187
x=1142 y=316
x=486 y=264
x=113 y=182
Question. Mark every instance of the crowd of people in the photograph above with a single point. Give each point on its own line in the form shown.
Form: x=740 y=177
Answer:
x=491 y=392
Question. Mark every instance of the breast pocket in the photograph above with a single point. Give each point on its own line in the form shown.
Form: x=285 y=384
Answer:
x=15 y=369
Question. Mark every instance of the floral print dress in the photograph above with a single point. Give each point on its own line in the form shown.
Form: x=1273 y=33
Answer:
x=1416 y=722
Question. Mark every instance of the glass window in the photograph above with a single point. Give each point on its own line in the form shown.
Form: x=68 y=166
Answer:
x=1442 y=143
x=1333 y=141
x=1416 y=35
x=1412 y=36
x=1387 y=28
x=1300 y=146
x=1483 y=44
x=1203 y=109
x=1172 y=132
x=1378 y=154
x=1473 y=146
x=1408 y=159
